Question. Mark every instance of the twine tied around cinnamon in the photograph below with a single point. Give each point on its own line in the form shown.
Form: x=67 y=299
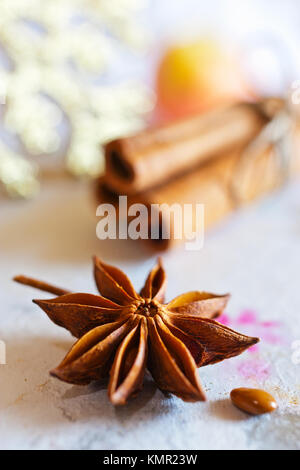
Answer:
x=277 y=136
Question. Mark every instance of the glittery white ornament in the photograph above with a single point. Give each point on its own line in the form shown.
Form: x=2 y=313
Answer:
x=58 y=50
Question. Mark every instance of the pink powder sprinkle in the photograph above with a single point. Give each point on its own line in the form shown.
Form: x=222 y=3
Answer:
x=247 y=317
x=272 y=338
x=249 y=321
x=254 y=368
x=224 y=319
x=270 y=332
x=254 y=349
x=270 y=324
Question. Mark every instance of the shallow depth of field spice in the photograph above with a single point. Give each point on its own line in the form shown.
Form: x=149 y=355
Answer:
x=253 y=401
x=122 y=333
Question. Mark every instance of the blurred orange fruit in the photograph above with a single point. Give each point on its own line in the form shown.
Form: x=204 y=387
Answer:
x=196 y=77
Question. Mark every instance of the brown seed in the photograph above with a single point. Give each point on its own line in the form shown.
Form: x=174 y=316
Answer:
x=253 y=401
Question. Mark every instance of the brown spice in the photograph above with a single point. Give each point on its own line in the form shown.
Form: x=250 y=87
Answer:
x=253 y=401
x=223 y=160
x=153 y=156
x=121 y=333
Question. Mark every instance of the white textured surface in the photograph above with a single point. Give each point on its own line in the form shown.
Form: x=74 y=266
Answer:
x=254 y=255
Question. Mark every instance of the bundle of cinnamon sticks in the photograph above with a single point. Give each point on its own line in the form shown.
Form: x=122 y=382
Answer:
x=223 y=159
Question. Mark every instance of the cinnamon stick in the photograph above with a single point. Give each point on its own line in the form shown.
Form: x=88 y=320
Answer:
x=222 y=185
x=152 y=157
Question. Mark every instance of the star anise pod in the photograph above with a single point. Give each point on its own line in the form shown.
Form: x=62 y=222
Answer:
x=121 y=333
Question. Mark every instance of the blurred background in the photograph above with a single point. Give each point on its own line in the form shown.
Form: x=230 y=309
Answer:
x=76 y=74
